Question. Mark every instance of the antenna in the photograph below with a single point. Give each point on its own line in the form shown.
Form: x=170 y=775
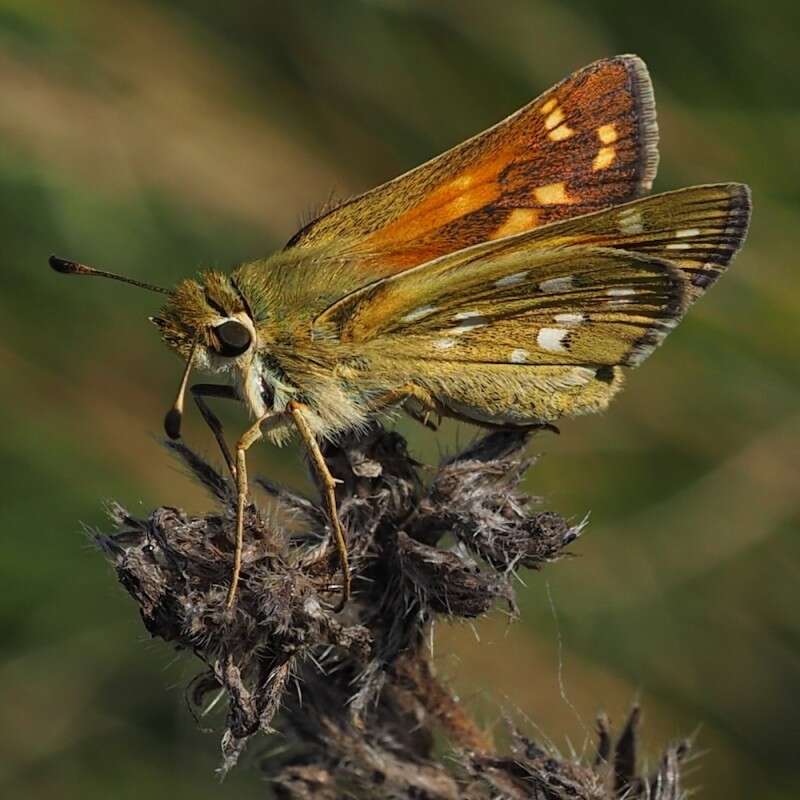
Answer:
x=173 y=418
x=66 y=267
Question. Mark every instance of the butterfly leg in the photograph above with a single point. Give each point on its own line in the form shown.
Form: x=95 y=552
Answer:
x=409 y=391
x=248 y=438
x=297 y=410
x=200 y=391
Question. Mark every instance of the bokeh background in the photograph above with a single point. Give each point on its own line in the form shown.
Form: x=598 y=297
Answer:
x=157 y=137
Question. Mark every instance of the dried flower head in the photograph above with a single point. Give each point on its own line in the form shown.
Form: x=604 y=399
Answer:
x=365 y=706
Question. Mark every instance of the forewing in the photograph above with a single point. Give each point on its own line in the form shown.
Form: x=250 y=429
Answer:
x=565 y=306
x=587 y=143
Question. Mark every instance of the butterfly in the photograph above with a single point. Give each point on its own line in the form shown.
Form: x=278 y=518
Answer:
x=508 y=282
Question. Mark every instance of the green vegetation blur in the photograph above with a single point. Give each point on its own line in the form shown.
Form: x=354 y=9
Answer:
x=155 y=138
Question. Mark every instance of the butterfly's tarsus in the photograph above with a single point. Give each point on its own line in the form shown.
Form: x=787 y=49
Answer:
x=410 y=391
x=250 y=436
x=238 y=469
x=297 y=410
x=200 y=391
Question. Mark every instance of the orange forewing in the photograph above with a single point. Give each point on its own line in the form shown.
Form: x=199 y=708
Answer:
x=587 y=143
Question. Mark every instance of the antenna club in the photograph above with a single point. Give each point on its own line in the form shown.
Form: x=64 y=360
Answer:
x=172 y=423
x=66 y=267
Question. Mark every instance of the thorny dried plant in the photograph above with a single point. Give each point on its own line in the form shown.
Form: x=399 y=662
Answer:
x=354 y=694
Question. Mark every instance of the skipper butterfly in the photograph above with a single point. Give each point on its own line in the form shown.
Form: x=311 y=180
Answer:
x=509 y=282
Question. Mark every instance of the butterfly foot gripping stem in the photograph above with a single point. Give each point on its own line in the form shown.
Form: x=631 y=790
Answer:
x=298 y=412
x=250 y=436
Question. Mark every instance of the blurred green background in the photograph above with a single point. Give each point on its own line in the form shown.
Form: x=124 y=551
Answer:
x=157 y=137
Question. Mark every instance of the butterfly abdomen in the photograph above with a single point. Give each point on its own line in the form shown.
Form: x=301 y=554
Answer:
x=516 y=395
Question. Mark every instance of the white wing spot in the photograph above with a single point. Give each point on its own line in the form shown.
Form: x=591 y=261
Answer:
x=578 y=376
x=684 y=232
x=469 y=321
x=518 y=356
x=630 y=221
x=678 y=246
x=620 y=292
x=511 y=280
x=418 y=313
x=552 y=339
x=444 y=344
x=560 y=284
x=570 y=319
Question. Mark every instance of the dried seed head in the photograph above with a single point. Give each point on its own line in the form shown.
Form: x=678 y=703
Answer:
x=355 y=693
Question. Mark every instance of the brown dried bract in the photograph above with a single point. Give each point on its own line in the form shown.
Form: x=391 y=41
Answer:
x=354 y=694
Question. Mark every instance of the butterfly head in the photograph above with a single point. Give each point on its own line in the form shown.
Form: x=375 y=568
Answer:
x=208 y=322
x=211 y=317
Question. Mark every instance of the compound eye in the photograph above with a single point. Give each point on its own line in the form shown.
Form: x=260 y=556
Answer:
x=234 y=338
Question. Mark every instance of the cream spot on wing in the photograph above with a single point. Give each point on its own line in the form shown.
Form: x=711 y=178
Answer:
x=579 y=376
x=604 y=158
x=462 y=182
x=464 y=327
x=685 y=232
x=553 y=119
x=552 y=194
x=418 y=313
x=552 y=339
x=620 y=292
x=511 y=280
x=570 y=319
x=460 y=206
x=518 y=356
x=468 y=321
x=679 y=246
x=630 y=221
x=560 y=284
x=548 y=106
x=444 y=344
x=519 y=220
x=607 y=134
x=560 y=133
